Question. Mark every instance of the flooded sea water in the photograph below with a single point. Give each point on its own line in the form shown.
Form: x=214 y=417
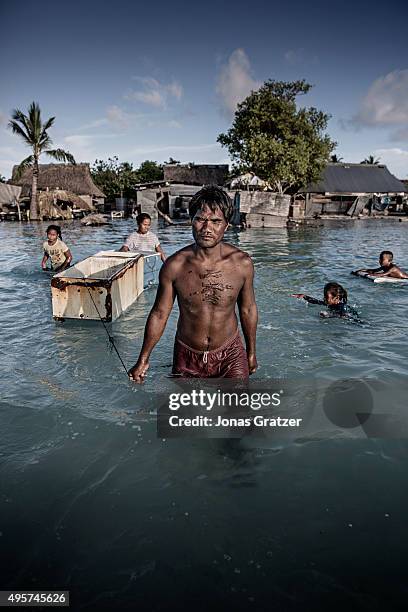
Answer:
x=94 y=503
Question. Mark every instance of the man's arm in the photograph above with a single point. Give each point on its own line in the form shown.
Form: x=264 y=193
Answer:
x=124 y=248
x=156 y=321
x=393 y=272
x=44 y=261
x=367 y=271
x=307 y=298
x=160 y=250
x=248 y=313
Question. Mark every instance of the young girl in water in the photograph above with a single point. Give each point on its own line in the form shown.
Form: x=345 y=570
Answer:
x=335 y=299
x=56 y=249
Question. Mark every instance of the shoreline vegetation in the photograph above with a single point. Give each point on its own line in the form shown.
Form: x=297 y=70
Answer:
x=276 y=146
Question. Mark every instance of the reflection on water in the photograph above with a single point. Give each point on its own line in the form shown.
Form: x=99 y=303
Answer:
x=92 y=501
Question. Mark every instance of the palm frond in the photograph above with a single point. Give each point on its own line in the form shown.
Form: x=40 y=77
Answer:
x=46 y=126
x=34 y=115
x=26 y=122
x=19 y=117
x=61 y=155
x=26 y=163
x=17 y=129
x=45 y=141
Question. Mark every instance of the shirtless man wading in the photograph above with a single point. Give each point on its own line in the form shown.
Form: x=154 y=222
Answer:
x=208 y=278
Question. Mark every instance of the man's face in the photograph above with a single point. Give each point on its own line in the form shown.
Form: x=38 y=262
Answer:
x=208 y=226
x=144 y=226
x=385 y=260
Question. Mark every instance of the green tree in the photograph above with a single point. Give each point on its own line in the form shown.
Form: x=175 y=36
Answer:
x=34 y=133
x=150 y=171
x=279 y=142
x=335 y=159
x=371 y=160
x=115 y=178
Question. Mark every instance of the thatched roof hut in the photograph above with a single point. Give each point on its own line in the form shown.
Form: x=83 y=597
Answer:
x=59 y=203
x=75 y=179
x=9 y=195
x=192 y=174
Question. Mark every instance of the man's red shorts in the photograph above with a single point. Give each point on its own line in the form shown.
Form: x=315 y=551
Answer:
x=228 y=361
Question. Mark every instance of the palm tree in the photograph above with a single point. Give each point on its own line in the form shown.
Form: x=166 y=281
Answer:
x=335 y=159
x=373 y=161
x=35 y=135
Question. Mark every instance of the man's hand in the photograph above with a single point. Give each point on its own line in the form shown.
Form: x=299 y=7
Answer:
x=252 y=363
x=299 y=296
x=138 y=372
x=361 y=272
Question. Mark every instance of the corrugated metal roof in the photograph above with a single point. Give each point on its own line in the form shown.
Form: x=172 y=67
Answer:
x=357 y=178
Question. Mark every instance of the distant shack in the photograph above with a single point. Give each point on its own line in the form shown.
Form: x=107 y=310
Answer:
x=9 y=202
x=347 y=189
x=181 y=181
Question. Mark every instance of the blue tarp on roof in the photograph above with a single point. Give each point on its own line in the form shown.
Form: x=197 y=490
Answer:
x=357 y=178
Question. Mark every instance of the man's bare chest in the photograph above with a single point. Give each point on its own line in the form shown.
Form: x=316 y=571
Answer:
x=217 y=286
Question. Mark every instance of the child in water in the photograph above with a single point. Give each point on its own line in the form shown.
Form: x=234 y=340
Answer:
x=335 y=298
x=55 y=249
x=387 y=267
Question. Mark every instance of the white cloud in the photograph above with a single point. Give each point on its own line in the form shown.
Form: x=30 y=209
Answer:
x=299 y=56
x=235 y=82
x=10 y=156
x=154 y=93
x=3 y=118
x=175 y=90
x=385 y=103
x=81 y=146
x=118 y=116
x=78 y=140
x=399 y=135
x=174 y=124
x=151 y=98
x=164 y=148
x=11 y=151
x=92 y=125
x=290 y=56
x=199 y=153
x=395 y=159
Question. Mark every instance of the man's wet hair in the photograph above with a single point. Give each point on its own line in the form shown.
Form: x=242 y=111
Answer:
x=56 y=228
x=389 y=253
x=142 y=217
x=337 y=291
x=214 y=197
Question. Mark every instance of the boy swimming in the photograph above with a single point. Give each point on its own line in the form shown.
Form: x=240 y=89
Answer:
x=55 y=249
x=335 y=299
x=387 y=267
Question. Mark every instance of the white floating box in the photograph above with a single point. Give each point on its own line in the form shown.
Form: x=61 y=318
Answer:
x=102 y=286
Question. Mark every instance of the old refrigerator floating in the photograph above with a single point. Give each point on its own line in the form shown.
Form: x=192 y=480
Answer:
x=102 y=286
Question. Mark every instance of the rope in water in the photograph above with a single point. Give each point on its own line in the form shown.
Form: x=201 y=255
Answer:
x=111 y=340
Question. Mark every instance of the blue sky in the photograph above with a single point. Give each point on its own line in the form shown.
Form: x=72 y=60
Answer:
x=153 y=80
